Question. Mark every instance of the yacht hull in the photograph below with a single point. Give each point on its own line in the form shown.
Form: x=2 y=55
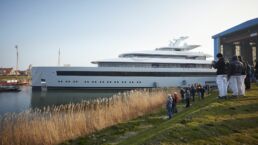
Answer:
x=118 y=78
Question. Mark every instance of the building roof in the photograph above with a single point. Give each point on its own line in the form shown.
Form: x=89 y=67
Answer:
x=239 y=27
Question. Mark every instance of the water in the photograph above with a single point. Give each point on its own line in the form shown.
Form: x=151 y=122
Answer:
x=28 y=98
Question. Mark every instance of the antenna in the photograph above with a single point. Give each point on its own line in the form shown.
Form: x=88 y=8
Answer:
x=17 y=58
x=59 y=53
x=177 y=41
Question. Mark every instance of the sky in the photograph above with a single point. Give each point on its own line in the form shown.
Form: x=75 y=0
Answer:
x=89 y=30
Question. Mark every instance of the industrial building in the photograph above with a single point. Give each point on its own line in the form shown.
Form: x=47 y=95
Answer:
x=240 y=40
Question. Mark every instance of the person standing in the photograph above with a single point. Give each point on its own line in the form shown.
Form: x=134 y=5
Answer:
x=235 y=78
x=192 y=91
x=248 y=77
x=252 y=77
x=169 y=106
x=256 y=70
x=202 y=90
x=198 y=90
x=243 y=75
x=207 y=89
x=175 y=100
x=221 y=79
x=182 y=93
x=187 y=98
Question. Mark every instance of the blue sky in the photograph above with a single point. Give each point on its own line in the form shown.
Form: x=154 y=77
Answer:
x=88 y=30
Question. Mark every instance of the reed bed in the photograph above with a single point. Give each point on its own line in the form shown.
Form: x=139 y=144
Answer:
x=53 y=125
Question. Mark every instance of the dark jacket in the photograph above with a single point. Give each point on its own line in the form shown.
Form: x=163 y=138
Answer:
x=236 y=68
x=220 y=66
x=187 y=94
x=192 y=90
x=244 y=70
x=256 y=66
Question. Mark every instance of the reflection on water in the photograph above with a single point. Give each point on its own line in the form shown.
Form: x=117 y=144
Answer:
x=58 y=97
x=26 y=98
x=15 y=101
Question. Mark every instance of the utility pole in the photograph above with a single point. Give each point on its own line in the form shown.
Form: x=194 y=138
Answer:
x=59 y=53
x=17 y=58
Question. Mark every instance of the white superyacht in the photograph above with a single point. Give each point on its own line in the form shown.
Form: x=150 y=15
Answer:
x=175 y=65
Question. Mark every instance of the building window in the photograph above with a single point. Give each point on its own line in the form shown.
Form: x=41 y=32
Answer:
x=221 y=49
x=254 y=54
x=237 y=50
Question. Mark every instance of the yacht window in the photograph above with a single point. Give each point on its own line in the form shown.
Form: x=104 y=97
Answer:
x=155 y=65
x=144 y=74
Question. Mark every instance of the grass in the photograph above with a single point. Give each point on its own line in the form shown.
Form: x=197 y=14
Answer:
x=56 y=124
x=208 y=121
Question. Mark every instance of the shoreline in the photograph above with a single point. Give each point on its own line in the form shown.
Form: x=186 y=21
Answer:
x=200 y=124
x=70 y=121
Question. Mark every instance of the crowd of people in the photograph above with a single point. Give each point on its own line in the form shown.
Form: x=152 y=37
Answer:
x=186 y=94
x=235 y=74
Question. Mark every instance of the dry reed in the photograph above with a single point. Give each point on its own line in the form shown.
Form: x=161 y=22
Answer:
x=53 y=125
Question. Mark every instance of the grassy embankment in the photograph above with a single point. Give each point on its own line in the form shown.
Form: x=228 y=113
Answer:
x=53 y=125
x=209 y=121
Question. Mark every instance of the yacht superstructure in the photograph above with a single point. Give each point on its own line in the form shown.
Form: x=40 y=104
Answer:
x=174 y=65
